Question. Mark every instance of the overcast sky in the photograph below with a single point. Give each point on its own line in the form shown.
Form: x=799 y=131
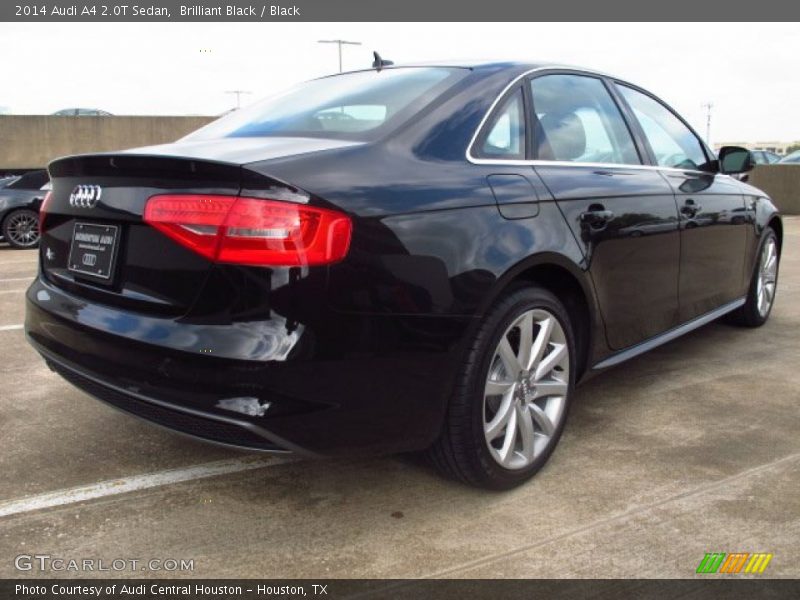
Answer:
x=750 y=72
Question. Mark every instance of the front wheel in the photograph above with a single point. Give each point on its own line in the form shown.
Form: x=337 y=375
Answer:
x=763 y=285
x=21 y=228
x=512 y=396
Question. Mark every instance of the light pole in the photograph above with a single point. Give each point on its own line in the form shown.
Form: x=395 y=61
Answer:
x=238 y=96
x=708 y=106
x=339 y=43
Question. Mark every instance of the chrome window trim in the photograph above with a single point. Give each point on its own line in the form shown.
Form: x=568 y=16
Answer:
x=591 y=165
x=559 y=163
x=492 y=106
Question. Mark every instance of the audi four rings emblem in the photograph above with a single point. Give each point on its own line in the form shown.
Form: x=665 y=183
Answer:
x=85 y=196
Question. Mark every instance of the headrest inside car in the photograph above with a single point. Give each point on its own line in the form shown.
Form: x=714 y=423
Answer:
x=560 y=137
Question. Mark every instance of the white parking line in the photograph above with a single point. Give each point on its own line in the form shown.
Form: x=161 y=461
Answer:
x=11 y=291
x=31 y=278
x=11 y=327
x=114 y=487
x=11 y=263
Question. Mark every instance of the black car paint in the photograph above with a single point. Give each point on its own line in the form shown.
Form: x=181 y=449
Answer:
x=361 y=356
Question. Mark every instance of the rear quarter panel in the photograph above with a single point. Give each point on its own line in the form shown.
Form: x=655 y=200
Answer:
x=12 y=199
x=428 y=238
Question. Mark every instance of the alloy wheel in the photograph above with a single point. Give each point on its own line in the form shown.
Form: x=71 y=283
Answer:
x=767 y=277
x=22 y=229
x=526 y=389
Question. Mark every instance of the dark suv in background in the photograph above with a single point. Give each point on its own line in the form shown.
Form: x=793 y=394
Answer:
x=20 y=199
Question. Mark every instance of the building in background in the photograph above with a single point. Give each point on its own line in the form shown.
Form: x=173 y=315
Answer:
x=781 y=148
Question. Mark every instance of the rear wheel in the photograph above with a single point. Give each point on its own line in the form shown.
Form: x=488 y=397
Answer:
x=21 y=228
x=761 y=294
x=511 y=401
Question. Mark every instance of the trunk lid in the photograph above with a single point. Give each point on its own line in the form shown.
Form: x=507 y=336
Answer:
x=98 y=203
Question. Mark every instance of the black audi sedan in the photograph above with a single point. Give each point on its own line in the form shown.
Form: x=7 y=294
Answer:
x=396 y=259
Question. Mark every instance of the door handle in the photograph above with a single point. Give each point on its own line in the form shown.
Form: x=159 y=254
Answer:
x=596 y=217
x=690 y=208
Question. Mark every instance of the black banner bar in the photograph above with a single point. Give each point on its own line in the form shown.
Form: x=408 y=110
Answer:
x=104 y=11
x=401 y=589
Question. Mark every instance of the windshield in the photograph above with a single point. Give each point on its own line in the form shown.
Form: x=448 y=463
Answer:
x=352 y=106
x=794 y=157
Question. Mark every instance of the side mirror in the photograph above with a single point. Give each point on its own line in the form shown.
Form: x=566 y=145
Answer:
x=733 y=160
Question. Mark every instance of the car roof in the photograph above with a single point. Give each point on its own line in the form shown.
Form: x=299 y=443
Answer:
x=491 y=64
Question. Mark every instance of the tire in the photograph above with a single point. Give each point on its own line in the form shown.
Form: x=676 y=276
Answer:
x=21 y=228
x=467 y=449
x=763 y=281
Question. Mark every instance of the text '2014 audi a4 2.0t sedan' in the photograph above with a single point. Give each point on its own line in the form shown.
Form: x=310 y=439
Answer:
x=396 y=259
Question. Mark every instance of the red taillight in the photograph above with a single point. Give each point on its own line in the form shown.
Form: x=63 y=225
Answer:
x=43 y=210
x=251 y=231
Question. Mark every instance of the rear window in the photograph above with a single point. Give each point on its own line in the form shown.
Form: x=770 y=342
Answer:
x=351 y=106
x=33 y=180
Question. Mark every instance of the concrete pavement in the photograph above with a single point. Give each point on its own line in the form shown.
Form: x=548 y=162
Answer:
x=692 y=448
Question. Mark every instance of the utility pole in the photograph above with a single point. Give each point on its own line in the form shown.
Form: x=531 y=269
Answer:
x=708 y=106
x=339 y=43
x=238 y=96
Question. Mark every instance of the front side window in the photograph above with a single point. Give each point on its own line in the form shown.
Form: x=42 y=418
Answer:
x=576 y=120
x=672 y=142
x=349 y=106
x=505 y=136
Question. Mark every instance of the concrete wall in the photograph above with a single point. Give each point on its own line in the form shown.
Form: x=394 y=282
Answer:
x=30 y=142
x=781 y=183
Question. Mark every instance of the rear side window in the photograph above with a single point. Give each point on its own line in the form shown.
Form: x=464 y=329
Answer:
x=505 y=134
x=576 y=120
x=349 y=106
x=672 y=142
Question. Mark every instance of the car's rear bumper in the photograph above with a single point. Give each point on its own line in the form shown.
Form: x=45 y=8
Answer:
x=195 y=423
x=358 y=384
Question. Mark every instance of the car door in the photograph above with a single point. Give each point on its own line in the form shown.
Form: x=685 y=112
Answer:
x=713 y=219
x=622 y=214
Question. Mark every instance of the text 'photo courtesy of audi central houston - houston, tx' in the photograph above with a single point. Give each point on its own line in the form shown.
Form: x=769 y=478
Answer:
x=397 y=259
